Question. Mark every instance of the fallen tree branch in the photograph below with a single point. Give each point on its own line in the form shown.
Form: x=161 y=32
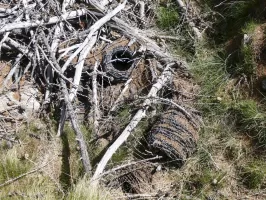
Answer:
x=144 y=39
x=92 y=31
x=96 y=111
x=99 y=4
x=142 y=10
x=54 y=46
x=128 y=164
x=69 y=107
x=77 y=77
x=162 y=80
x=85 y=47
x=80 y=139
x=23 y=49
x=79 y=67
x=52 y=20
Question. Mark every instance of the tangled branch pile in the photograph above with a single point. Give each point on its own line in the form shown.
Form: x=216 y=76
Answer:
x=94 y=56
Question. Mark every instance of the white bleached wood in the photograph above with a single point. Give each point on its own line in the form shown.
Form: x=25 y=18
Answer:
x=92 y=31
x=59 y=26
x=7 y=33
x=23 y=49
x=54 y=46
x=13 y=70
x=52 y=20
x=96 y=111
x=162 y=80
x=66 y=50
x=76 y=81
x=100 y=5
x=69 y=107
x=80 y=65
x=128 y=164
x=141 y=36
x=142 y=10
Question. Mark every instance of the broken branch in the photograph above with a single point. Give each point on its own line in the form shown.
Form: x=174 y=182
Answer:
x=162 y=80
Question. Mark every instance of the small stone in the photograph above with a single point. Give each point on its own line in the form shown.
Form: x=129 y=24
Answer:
x=159 y=168
x=26 y=156
x=219 y=99
x=246 y=39
x=214 y=181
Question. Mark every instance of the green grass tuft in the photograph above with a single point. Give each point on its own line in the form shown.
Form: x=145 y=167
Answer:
x=251 y=120
x=253 y=174
x=249 y=64
x=83 y=191
x=11 y=166
x=167 y=18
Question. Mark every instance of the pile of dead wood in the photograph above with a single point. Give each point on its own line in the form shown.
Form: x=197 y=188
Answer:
x=97 y=51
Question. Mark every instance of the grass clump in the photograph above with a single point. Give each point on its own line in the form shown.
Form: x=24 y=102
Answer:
x=241 y=56
x=209 y=70
x=121 y=155
x=11 y=166
x=253 y=174
x=233 y=150
x=83 y=191
x=249 y=27
x=248 y=65
x=205 y=181
x=167 y=17
x=250 y=120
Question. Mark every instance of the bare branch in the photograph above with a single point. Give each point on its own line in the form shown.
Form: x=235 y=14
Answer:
x=162 y=80
x=92 y=31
